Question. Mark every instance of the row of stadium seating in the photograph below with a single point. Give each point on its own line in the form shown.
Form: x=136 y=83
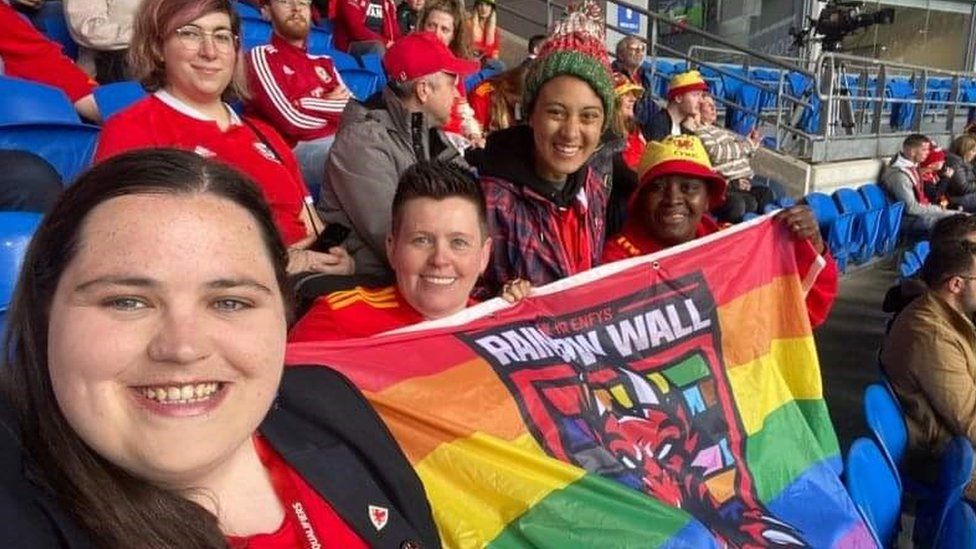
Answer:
x=913 y=258
x=873 y=477
x=857 y=225
x=725 y=81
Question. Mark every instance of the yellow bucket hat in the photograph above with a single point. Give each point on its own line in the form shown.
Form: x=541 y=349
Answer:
x=681 y=155
x=686 y=82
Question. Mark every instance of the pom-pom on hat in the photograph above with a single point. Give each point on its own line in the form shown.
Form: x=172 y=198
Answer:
x=686 y=82
x=681 y=155
x=575 y=47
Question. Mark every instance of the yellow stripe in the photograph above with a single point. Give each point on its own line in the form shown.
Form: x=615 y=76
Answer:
x=788 y=372
x=361 y=292
x=375 y=301
x=478 y=484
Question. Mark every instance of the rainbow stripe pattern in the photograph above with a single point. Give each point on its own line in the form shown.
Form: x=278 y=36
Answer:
x=672 y=400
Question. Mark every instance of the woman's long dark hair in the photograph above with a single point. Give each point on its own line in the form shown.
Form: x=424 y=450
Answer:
x=115 y=508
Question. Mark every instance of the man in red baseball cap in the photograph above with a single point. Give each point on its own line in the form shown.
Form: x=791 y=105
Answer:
x=380 y=138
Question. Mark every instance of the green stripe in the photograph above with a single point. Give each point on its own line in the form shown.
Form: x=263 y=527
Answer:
x=593 y=512
x=794 y=437
x=692 y=369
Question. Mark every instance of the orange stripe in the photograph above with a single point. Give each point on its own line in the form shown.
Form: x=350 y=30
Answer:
x=748 y=329
x=427 y=411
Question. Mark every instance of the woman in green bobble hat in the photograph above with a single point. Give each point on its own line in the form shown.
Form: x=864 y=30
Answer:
x=546 y=208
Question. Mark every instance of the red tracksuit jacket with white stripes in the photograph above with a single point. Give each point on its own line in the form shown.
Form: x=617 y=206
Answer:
x=289 y=89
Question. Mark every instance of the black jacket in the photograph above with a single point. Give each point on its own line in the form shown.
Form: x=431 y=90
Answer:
x=963 y=180
x=320 y=424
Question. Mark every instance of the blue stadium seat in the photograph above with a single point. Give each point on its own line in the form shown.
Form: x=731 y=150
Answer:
x=771 y=207
x=114 y=97
x=835 y=227
x=319 y=41
x=955 y=470
x=749 y=97
x=802 y=87
x=875 y=197
x=884 y=419
x=922 y=249
x=67 y=147
x=16 y=230
x=51 y=22
x=786 y=201
x=909 y=265
x=374 y=64
x=959 y=528
x=254 y=32
x=361 y=82
x=867 y=223
x=901 y=113
x=28 y=102
x=472 y=81
x=247 y=10
x=874 y=489
x=342 y=60
x=748 y=216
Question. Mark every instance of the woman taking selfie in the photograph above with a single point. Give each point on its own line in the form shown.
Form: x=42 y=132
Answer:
x=188 y=53
x=147 y=405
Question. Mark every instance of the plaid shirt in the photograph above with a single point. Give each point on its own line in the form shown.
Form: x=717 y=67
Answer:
x=525 y=231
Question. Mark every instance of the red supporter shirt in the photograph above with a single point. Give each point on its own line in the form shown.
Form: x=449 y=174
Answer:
x=161 y=120
x=349 y=21
x=633 y=242
x=288 y=88
x=323 y=527
x=28 y=54
x=348 y=314
x=480 y=101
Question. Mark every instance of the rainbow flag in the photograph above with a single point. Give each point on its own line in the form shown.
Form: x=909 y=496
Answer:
x=672 y=400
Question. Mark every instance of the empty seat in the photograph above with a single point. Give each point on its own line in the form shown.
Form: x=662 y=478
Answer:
x=67 y=147
x=114 y=97
x=959 y=528
x=28 y=102
x=835 y=227
x=361 y=82
x=875 y=197
x=874 y=488
x=955 y=470
x=254 y=32
x=867 y=223
x=16 y=230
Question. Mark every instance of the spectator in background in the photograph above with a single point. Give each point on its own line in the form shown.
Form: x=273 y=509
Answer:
x=534 y=45
x=485 y=40
x=438 y=246
x=364 y=26
x=299 y=94
x=497 y=102
x=445 y=18
x=930 y=358
x=623 y=175
x=378 y=141
x=546 y=206
x=949 y=229
x=901 y=179
x=103 y=30
x=28 y=54
x=730 y=155
x=631 y=53
x=677 y=186
x=186 y=53
x=685 y=94
x=935 y=176
x=408 y=12
x=962 y=182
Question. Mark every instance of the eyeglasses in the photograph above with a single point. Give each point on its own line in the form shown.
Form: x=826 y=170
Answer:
x=192 y=36
x=294 y=3
x=636 y=48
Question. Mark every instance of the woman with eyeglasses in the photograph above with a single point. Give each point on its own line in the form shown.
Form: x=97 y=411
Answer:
x=188 y=54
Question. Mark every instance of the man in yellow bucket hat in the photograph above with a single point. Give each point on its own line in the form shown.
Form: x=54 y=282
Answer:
x=685 y=93
x=677 y=187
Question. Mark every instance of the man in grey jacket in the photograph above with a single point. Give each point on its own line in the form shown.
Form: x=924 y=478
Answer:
x=379 y=139
x=901 y=178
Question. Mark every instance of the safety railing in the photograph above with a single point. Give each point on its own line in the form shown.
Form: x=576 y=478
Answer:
x=840 y=107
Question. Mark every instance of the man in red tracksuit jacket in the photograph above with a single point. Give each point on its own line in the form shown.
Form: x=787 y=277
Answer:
x=299 y=94
x=365 y=26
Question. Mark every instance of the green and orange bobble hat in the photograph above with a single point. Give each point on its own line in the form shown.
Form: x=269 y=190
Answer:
x=575 y=47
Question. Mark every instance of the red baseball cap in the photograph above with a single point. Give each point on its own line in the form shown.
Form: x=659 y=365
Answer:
x=420 y=54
